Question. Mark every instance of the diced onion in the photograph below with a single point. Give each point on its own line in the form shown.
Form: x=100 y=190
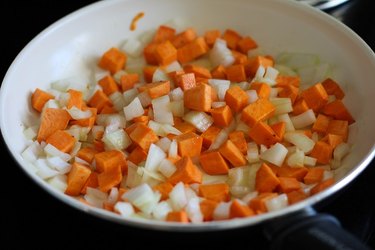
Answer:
x=222 y=211
x=277 y=203
x=57 y=163
x=118 y=100
x=253 y=95
x=142 y=197
x=282 y=105
x=134 y=109
x=302 y=141
x=161 y=210
x=50 y=150
x=164 y=143
x=78 y=114
x=113 y=196
x=177 y=94
x=162 y=111
x=193 y=210
x=125 y=209
x=154 y=157
x=59 y=182
x=172 y=152
x=178 y=197
x=44 y=170
x=159 y=75
x=167 y=168
x=221 y=87
x=220 y=54
x=303 y=120
x=129 y=96
x=200 y=120
x=275 y=154
x=296 y=159
x=252 y=152
x=33 y=152
x=117 y=139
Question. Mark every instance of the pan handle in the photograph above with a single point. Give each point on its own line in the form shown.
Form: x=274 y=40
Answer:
x=310 y=230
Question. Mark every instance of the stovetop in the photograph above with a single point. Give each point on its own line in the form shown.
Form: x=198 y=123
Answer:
x=30 y=216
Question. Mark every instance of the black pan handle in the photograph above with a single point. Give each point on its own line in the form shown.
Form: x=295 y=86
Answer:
x=309 y=230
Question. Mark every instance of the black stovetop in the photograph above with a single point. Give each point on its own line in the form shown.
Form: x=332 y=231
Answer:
x=31 y=217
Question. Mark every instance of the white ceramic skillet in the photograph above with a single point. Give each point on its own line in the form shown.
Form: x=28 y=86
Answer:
x=72 y=45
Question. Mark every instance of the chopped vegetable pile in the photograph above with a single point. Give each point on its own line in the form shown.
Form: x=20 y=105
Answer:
x=192 y=128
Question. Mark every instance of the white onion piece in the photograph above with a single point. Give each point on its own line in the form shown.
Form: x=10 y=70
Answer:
x=51 y=150
x=81 y=161
x=152 y=178
x=162 y=111
x=167 y=168
x=173 y=66
x=59 y=182
x=220 y=54
x=52 y=103
x=133 y=178
x=239 y=191
x=117 y=139
x=252 y=152
x=302 y=141
x=177 y=94
x=173 y=148
x=129 y=95
x=177 y=108
x=143 y=197
x=78 y=114
x=221 y=87
x=178 y=197
x=275 y=154
x=253 y=96
x=117 y=76
x=248 y=197
x=303 y=120
x=117 y=100
x=144 y=98
x=219 y=140
x=238 y=176
x=161 y=210
x=222 y=211
x=44 y=170
x=159 y=75
x=164 y=143
x=125 y=209
x=200 y=120
x=32 y=152
x=193 y=210
x=288 y=123
x=277 y=203
x=309 y=161
x=154 y=157
x=282 y=105
x=214 y=179
x=95 y=197
x=296 y=159
x=113 y=196
x=133 y=110
x=58 y=164
x=262 y=148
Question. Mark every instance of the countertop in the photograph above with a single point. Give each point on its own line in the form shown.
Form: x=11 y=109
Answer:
x=30 y=216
